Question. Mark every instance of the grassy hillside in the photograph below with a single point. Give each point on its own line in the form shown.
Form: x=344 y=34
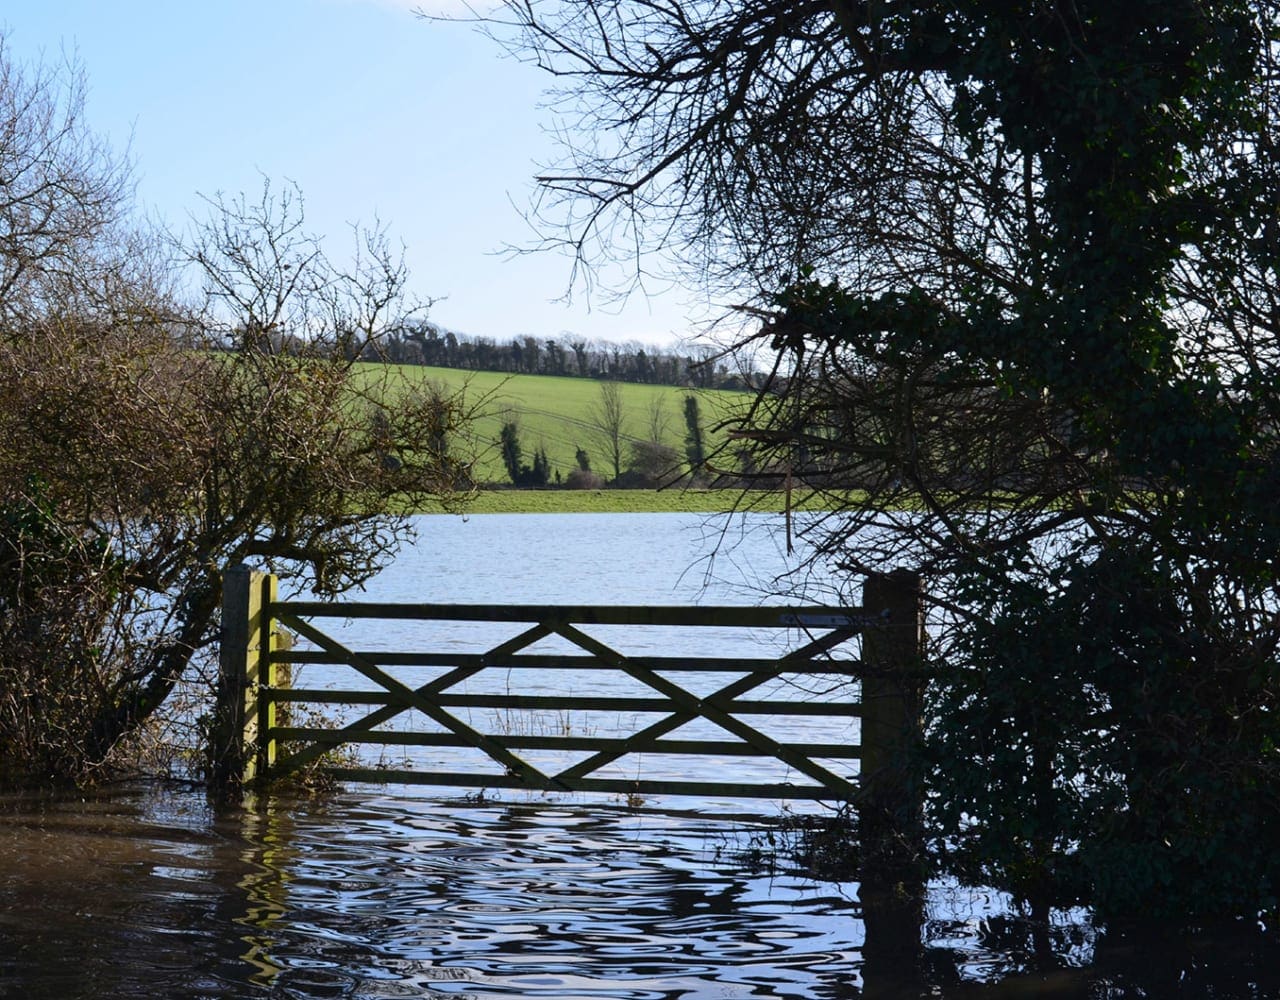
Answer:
x=555 y=414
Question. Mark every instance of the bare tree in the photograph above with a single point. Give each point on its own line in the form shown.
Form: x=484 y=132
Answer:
x=61 y=186
x=142 y=468
x=659 y=419
x=267 y=283
x=606 y=417
x=745 y=142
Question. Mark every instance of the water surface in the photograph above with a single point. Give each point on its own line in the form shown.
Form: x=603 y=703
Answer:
x=379 y=895
x=146 y=893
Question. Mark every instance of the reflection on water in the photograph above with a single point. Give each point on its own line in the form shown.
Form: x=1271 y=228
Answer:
x=148 y=894
x=384 y=897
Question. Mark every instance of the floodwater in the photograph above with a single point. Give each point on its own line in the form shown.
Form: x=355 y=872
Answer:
x=373 y=895
x=147 y=893
x=377 y=892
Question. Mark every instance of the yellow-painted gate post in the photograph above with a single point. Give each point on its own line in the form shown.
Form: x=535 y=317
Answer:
x=242 y=748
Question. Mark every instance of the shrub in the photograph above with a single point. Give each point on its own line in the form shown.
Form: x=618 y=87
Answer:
x=58 y=591
x=583 y=479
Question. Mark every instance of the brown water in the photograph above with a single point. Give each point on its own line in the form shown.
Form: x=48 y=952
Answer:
x=146 y=893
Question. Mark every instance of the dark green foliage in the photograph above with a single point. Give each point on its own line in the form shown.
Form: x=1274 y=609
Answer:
x=1098 y=745
x=583 y=459
x=1027 y=255
x=511 y=450
x=540 y=471
x=537 y=474
x=695 y=447
x=1093 y=438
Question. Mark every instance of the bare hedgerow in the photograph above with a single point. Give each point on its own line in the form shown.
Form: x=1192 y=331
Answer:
x=171 y=406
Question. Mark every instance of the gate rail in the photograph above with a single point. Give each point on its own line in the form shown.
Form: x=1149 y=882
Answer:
x=256 y=742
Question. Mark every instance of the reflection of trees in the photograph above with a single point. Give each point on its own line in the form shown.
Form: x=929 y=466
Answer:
x=892 y=951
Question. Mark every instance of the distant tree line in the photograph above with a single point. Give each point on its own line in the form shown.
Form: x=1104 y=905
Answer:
x=426 y=343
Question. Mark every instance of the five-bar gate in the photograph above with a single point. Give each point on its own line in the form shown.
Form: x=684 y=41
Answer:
x=261 y=738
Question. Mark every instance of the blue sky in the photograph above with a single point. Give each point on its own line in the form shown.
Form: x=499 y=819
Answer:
x=371 y=111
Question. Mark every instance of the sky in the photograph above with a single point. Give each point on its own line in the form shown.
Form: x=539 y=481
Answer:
x=373 y=112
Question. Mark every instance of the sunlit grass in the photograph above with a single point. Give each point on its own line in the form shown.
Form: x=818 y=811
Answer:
x=554 y=413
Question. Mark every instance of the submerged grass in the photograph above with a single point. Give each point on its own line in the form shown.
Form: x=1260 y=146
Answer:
x=825 y=847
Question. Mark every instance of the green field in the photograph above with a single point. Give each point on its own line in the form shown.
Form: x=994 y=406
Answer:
x=673 y=500
x=555 y=414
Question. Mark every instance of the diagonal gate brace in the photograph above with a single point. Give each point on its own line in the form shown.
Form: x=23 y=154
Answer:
x=417 y=698
x=712 y=708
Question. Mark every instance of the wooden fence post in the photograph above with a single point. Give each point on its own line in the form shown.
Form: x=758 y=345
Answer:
x=891 y=805
x=241 y=747
x=892 y=703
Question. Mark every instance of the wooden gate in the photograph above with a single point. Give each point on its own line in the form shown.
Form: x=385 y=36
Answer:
x=261 y=740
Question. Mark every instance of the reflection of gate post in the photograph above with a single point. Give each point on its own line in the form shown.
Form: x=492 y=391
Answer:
x=241 y=746
x=267 y=831
x=890 y=813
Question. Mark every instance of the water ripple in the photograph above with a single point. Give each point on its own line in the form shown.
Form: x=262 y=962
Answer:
x=368 y=896
x=526 y=901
